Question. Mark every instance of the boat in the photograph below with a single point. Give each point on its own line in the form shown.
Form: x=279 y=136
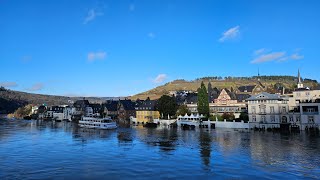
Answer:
x=97 y=123
x=190 y=121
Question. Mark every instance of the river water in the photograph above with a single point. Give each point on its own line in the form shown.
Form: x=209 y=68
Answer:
x=61 y=150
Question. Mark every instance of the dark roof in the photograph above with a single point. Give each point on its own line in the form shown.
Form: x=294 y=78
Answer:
x=231 y=94
x=127 y=104
x=264 y=96
x=246 y=88
x=81 y=103
x=147 y=105
x=192 y=98
x=111 y=105
x=215 y=93
x=242 y=97
x=95 y=105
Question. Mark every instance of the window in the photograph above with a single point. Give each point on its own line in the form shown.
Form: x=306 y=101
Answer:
x=254 y=118
x=272 y=118
x=310 y=119
x=283 y=109
x=272 y=109
x=253 y=109
x=263 y=118
x=298 y=119
x=291 y=118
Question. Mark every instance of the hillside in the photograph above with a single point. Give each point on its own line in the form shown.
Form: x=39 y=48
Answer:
x=271 y=82
x=11 y=100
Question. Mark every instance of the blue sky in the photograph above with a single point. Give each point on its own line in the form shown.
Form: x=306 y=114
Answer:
x=120 y=48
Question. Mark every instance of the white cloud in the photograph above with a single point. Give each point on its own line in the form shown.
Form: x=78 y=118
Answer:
x=296 y=56
x=92 y=14
x=230 y=34
x=151 y=35
x=100 y=55
x=268 y=57
x=8 y=84
x=132 y=7
x=36 y=87
x=262 y=56
x=259 y=51
x=160 y=78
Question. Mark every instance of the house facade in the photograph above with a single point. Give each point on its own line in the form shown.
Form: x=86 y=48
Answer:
x=271 y=110
x=146 y=112
x=223 y=103
x=126 y=109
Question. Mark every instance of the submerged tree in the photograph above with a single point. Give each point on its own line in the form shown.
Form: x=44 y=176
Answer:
x=182 y=110
x=203 y=103
x=167 y=105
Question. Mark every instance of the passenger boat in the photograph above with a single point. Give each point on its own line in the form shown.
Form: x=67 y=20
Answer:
x=192 y=120
x=97 y=123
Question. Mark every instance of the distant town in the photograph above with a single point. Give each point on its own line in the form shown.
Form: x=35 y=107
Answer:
x=249 y=107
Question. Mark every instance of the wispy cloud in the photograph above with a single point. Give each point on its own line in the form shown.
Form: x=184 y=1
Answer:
x=268 y=57
x=93 y=56
x=36 y=87
x=259 y=51
x=8 y=84
x=132 y=7
x=296 y=56
x=151 y=35
x=160 y=78
x=92 y=14
x=262 y=56
x=231 y=33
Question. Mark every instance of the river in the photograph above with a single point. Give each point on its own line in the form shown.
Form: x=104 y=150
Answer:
x=61 y=150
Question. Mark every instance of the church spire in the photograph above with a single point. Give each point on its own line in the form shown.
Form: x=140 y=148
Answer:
x=300 y=85
x=299 y=78
x=258 y=74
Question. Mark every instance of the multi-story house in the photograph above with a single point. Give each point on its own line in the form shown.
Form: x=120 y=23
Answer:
x=126 y=109
x=272 y=110
x=110 y=108
x=223 y=103
x=146 y=112
x=267 y=110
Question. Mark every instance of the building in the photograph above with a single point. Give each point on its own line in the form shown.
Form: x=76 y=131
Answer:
x=81 y=106
x=267 y=110
x=126 y=109
x=272 y=110
x=57 y=112
x=110 y=108
x=224 y=102
x=146 y=112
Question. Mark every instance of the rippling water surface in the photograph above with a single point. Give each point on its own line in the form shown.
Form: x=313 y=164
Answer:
x=42 y=150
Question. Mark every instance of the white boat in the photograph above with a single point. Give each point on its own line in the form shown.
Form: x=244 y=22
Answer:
x=192 y=120
x=97 y=123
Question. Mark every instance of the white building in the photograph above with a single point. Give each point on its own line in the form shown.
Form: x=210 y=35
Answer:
x=267 y=110
x=271 y=110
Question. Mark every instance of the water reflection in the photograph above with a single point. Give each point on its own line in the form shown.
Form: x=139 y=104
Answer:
x=163 y=137
x=138 y=151
x=205 y=147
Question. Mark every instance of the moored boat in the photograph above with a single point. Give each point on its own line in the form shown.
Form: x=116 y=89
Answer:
x=97 y=123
